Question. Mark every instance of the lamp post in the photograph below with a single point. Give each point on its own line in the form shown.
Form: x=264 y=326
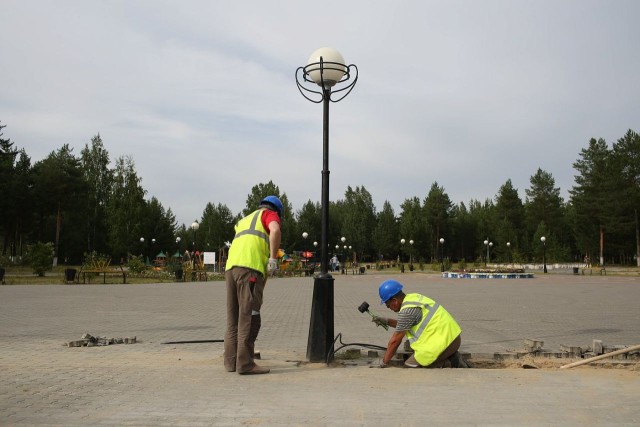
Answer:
x=442 y=255
x=304 y=246
x=344 y=256
x=315 y=249
x=178 y=261
x=509 y=252
x=194 y=227
x=402 y=241
x=488 y=244
x=304 y=250
x=411 y=255
x=544 y=254
x=326 y=68
x=143 y=250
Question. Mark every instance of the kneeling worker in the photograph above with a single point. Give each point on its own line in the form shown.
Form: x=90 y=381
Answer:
x=432 y=332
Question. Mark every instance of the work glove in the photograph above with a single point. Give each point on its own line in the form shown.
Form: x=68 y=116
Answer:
x=380 y=321
x=272 y=265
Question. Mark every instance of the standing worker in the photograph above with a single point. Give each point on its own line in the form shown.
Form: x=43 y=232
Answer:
x=432 y=332
x=252 y=255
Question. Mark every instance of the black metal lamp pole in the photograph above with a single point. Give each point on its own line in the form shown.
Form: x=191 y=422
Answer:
x=442 y=255
x=544 y=253
x=194 y=227
x=326 y=68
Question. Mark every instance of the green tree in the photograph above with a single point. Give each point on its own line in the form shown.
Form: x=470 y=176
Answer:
x=412 y=227
x=592 y=197
x=544 y=205
x=385 y=235
x=99 y=178
x=16 y=197
x=216 y=227
x=485 y=226
x=437 y=209
x=20 y=218
x=510 y=214
x=125 y=208
x=308 y=220
x=40 y=256
x=8 y=155
x=626 y=161
x=462 y=243
x=60 y=190
x=158 y=227
x=359 y=221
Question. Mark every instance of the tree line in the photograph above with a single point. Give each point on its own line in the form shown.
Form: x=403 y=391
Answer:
x=84 y=203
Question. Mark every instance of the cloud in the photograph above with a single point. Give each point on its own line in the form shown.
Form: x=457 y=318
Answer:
x=202 y=94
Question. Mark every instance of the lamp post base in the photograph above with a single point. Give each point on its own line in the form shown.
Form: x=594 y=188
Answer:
x=321 y=324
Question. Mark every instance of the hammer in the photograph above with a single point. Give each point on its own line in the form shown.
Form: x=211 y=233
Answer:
x=365 y=307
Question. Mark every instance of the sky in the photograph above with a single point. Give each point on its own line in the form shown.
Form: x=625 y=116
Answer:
x=202 y=94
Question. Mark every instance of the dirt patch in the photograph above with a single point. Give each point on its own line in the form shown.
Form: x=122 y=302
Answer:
x=489 y=361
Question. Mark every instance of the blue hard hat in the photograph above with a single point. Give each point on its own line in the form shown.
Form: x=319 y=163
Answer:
x=388 y=289
x=275 y=202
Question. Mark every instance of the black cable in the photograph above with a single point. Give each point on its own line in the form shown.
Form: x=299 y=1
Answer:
x=332 y=352
x=191 y=342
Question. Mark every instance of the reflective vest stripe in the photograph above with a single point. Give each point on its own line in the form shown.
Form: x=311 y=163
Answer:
x=252 y=229
x=425 y=322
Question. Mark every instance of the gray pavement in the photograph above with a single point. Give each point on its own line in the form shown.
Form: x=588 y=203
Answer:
x=43 y=382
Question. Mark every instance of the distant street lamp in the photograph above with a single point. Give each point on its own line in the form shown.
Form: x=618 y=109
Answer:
x=315 y=249
x=304 y=246
x=143 y=250
x=544 y=253
x=411 y=255
x=509 y=252
x=401 y=250
x=194 y=227
x=488 y=244
x=344 y=256
x=442 y=254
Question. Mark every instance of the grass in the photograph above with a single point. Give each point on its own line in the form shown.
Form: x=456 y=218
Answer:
x=21 y=275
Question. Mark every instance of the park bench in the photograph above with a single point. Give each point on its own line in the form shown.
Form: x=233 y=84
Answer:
x=99 y=267
x=603 y=271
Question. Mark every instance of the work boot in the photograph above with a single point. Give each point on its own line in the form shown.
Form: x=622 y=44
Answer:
x=457 y=361
x=257 y=370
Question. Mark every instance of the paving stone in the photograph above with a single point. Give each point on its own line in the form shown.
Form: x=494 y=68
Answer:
x=43 y=382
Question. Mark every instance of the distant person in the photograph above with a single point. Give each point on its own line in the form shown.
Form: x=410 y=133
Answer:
x=334 y=263
x=432 y=332
x=253 y=254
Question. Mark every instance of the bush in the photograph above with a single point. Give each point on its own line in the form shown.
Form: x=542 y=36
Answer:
x=136 y=265
x=4 y=261
x=40 y=257
x=95 y=260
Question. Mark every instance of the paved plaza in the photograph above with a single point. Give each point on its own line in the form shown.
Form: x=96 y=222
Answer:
x=44 y=382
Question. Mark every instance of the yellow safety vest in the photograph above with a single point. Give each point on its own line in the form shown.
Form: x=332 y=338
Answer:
x=250 y=247
x=434 y=333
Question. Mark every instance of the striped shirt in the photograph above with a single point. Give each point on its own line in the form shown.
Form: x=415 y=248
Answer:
x=408 y=317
